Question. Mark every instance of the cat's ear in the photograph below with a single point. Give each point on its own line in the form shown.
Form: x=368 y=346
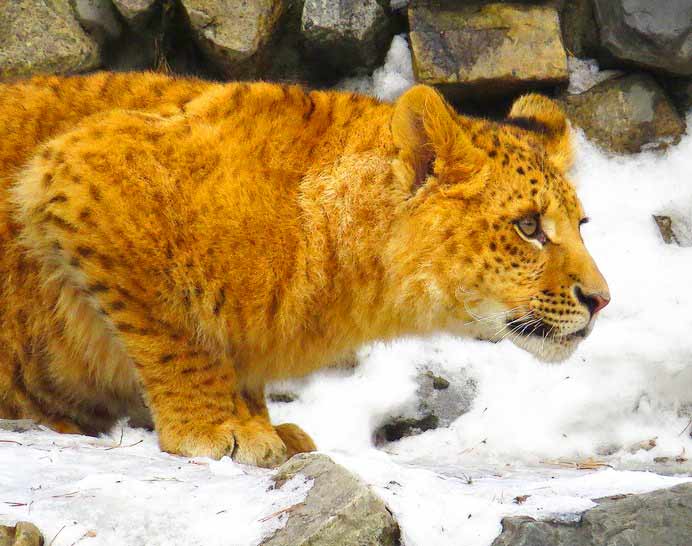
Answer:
x=423 y=129
x=544 y=117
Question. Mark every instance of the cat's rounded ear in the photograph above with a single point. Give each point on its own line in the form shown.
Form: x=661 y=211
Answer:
x=426 y=133
x=544 y=117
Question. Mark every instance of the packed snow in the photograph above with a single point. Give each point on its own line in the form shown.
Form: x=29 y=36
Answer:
x=622 y=402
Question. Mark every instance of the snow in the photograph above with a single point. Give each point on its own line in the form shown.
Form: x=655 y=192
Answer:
x=125 y=491
x=390 y=80
x=585 y=74
x=627 y=384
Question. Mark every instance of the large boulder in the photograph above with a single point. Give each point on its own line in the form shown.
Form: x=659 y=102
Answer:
x=339 y=508
x=43 y=37
x=626 y=115
x=345 y=34
x=653 y=519
x=490 y=48
x=655 y=35
x=234 y=34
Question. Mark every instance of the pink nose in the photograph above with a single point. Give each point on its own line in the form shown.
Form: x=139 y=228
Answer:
x=594 y=302
x=599 y=303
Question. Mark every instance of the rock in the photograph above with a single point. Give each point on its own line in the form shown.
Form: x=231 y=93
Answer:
x=346 y=34
x=284 y=397
x=339 y=509
x=656 y=35
x=626 y=115
x=234 y=34
x=137 y=13
x=18 y=425
x=579 y=30
x=43 y=37
x=440 y=401
x=652 y=519
x=23 y=534
x=492 y=48
x=675 y=228
x=98 y=18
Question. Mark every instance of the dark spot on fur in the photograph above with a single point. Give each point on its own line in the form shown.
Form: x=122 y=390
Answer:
x=59 y=198
x=220 y=300
x=105 y=261
x=85 y=251
x=98 y=287
x=60 y=222
x=130 y=329
x=529 y=123
x=95 y=192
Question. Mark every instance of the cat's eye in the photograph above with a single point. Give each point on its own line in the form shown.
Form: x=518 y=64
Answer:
x=529 y=229
x=529 y=226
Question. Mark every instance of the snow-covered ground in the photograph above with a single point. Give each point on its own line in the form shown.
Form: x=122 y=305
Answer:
x=626 y=385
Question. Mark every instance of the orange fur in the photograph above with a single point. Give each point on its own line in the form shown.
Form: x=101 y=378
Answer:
x=189 y=245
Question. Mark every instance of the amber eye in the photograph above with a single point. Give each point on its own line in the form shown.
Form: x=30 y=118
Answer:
x=529 y=227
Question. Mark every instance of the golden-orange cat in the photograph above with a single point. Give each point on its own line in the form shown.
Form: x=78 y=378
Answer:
x=168 y=246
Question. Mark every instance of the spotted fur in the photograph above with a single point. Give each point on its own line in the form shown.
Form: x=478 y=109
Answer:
x=169 y=246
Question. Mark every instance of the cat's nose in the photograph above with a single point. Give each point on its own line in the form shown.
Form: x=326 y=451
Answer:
x=594 y=302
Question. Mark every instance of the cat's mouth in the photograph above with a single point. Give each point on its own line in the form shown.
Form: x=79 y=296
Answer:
x=545 y=341
x=541 y=329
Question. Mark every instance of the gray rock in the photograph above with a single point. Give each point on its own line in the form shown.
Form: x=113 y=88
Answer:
x=491 y=48
x=675 y=228
x=98 y=17
x=659 y=518
x=22 y=534
x=626 y=115
x=18 y=425
x=346 y=34
x=339 y=509
x=234 y=34
x=137 y=13
x=441 y=400
x=43 y=37
x=655 y=35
